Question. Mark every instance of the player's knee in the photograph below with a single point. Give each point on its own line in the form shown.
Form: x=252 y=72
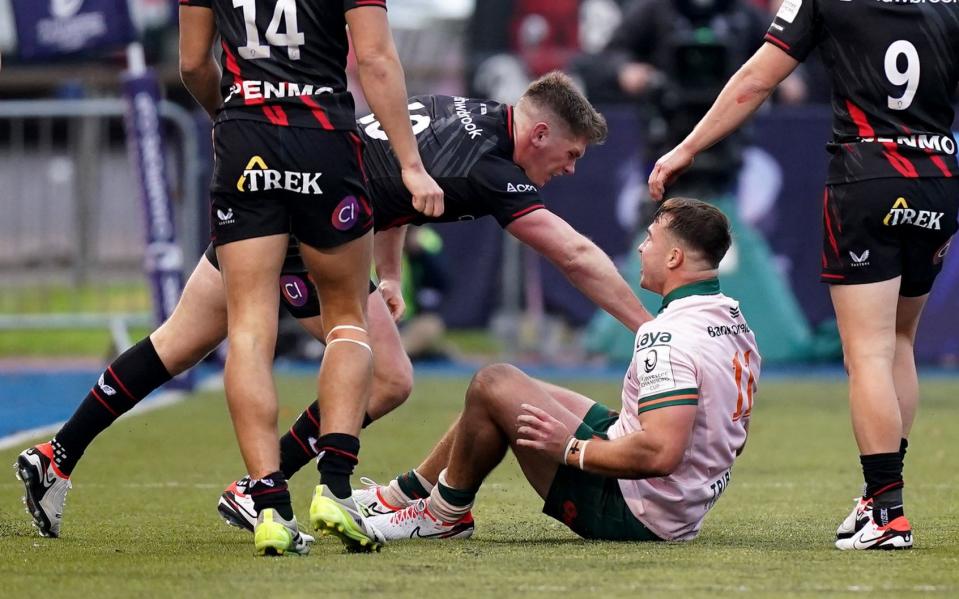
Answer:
x=177 y=352
x=348 y=335
x=252 y=343
x=866 y=361
x=397 y=384
x=488 y=384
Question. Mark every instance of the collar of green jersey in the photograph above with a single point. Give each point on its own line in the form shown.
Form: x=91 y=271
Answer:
x=704 y=287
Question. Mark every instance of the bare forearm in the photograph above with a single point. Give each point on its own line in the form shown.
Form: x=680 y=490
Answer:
x=743 y=94
x=385 y=88
x=203 y=83
x=626 y=457
x=388 y=253
x=591 y=271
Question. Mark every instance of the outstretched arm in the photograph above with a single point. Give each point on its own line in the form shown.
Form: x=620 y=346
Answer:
x=198 y=69
x=586 y=266
x=743 y=94
x=384 y=86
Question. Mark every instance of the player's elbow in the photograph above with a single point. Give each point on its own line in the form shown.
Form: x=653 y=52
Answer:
x=753 y=82
x=192 y=70
x=575 y=256
x=377 y=61
x=666 y=461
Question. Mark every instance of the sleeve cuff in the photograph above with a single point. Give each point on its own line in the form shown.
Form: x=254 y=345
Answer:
x=676 y=397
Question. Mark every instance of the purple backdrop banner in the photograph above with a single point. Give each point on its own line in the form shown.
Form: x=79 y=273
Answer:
x=52 y=28
x=789 y=162
x=163 y=258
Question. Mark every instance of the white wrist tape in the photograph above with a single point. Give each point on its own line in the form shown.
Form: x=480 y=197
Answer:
x=569 y=445
x=582 y=453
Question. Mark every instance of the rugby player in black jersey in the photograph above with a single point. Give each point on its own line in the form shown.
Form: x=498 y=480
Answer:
x=512 y=150
x=889 y=207
x=287 y=162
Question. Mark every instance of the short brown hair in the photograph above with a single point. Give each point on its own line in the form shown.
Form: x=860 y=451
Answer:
x=555 y=91
x=701 y=226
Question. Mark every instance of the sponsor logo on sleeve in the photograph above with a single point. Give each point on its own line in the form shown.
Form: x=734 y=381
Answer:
x=649 y=363
x=789 y=10
x=657 y=372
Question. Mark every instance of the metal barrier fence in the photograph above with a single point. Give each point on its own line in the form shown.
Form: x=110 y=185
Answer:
x=71 y=217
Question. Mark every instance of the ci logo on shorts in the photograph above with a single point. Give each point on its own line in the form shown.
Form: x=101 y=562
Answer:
x=295 y=290
x=346 y=214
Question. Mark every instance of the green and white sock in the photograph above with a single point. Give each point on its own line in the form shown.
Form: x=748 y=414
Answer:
x=449 y=504
x=407 y=488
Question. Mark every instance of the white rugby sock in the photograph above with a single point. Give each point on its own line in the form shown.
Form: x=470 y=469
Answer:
x=443 y=509
x=395 y=496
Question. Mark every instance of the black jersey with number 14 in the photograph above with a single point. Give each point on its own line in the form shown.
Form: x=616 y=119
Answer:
x=284 y=61
x=894 y=66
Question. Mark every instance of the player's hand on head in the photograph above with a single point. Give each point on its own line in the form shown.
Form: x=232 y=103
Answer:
x=392 y=293
x=537 y=429
x=427 y=194
x=667 y=168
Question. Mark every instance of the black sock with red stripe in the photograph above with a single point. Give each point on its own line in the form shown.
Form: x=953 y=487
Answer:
x=271 y=492
x=298 y=445
x=338 y=456
x=883 y=474
x=130 y=378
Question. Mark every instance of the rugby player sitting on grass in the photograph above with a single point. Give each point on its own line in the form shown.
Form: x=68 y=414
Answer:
x=650 y=472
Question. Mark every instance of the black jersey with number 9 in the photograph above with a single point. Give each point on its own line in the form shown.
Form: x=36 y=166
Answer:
x=894 y=66
x=284 y=61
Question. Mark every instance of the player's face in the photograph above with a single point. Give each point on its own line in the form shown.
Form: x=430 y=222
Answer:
x=553 y=153
x=653 y=256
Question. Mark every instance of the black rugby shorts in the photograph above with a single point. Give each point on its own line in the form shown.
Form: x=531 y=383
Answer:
x=270 y=180
x=880 y=229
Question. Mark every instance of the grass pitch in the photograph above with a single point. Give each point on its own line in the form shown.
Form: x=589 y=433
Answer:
x=141 y=518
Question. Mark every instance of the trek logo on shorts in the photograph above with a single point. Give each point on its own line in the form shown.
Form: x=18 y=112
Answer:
x=346 y=214
x=257 y=176
x=902 y=214
x=294 y=290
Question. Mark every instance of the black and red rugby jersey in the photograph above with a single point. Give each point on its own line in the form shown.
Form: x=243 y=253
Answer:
x=467 y=147
x=894 y=66
x=284 y=61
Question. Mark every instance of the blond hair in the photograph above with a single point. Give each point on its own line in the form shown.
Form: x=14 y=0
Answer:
x=556 y=92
